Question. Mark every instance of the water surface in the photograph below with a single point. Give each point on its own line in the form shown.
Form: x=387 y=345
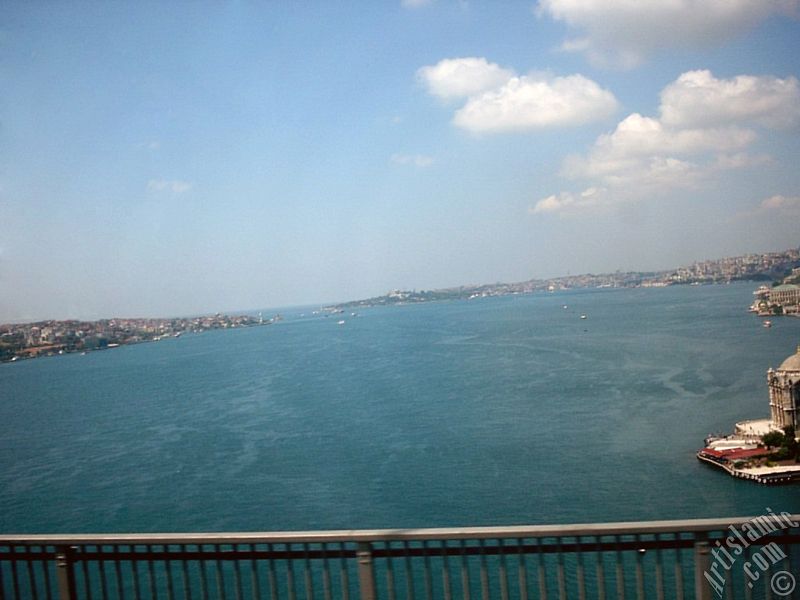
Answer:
x=495 y=411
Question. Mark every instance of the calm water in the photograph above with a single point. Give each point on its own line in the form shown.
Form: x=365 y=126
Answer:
x=496 y=411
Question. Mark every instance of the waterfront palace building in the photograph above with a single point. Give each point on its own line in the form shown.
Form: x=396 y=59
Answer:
x=784 y=393
x=784 y=398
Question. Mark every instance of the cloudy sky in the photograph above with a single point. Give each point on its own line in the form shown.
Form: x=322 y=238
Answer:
x=162 y=159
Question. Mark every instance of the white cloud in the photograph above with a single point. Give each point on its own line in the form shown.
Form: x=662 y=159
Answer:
x=566 y=202
x=784 y=204
x=462 y=77
x=530 y=102
x=417 y=160
x=697 y=98
x=176 y=186
x=650 y=177
x=647 y=156
x=624 y=32
x=741 y=160
x=497 y=100
x=777 y=207
x=638 y=142
x=415 y=3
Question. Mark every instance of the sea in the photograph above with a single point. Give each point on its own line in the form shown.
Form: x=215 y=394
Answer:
x=494 y=411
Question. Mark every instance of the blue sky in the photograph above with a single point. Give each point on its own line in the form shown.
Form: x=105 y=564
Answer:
x=162 y=159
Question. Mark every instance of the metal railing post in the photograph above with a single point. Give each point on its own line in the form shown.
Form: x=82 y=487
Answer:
x=65 y=574
x=702 y=551
x=366 y=571
x=66 y=566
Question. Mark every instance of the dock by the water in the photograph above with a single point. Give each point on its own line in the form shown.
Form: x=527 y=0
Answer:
x=780 y=474
x=764 y=450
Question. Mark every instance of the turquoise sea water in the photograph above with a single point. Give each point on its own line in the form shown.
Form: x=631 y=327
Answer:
x=495 y=411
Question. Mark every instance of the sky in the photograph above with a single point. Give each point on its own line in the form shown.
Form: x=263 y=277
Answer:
x=169 y=159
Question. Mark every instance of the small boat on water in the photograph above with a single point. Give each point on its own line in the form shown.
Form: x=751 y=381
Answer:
x=340 y=323
x=583 y=316
x=767 y=323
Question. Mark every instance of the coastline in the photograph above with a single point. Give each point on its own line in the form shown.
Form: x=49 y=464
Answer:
x=764 y=450
x=53 y=338
x=777 y=475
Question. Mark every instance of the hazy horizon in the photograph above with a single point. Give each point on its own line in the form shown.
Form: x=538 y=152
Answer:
x=273 y=310
x=198 y=158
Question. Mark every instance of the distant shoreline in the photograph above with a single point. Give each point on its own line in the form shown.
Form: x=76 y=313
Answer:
x=751 y=267
x=51 y=338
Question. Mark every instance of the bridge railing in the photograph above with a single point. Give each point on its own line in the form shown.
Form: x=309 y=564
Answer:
x=703 y=559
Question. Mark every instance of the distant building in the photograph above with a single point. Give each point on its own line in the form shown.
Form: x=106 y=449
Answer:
x=782 y=299
x=787 y=295
x=784 y=393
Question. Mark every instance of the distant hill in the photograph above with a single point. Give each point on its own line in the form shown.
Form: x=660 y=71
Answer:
x=773 y=266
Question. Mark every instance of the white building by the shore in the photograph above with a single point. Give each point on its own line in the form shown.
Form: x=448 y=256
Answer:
x=784 y=398
x=784 y=393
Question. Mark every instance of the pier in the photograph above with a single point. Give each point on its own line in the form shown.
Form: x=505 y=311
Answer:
x=764 y=475
x=746 y=454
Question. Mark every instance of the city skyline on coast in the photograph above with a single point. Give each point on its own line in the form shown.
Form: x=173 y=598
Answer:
x=186 y=159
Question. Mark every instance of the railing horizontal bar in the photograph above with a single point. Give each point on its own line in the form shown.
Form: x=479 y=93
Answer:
x=564 y=548
x=385 y=552
x=366 y=535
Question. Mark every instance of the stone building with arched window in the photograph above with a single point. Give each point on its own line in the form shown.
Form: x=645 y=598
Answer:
x=784 y=398
x=784 y=393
